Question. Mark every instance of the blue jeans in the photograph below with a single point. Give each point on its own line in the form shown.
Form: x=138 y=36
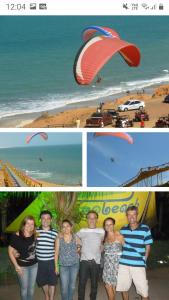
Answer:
x=27 y=282
x=68 y=276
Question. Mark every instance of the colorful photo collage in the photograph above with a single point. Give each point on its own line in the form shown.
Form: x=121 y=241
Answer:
x=84 y=159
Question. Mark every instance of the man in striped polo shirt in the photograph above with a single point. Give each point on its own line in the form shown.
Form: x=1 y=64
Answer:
x=45 y=252
x=135 y=252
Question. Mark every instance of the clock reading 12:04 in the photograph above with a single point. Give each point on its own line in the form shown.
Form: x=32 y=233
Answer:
x=16 y=6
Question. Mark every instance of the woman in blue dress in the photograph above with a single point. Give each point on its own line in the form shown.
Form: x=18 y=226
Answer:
x=112 y=244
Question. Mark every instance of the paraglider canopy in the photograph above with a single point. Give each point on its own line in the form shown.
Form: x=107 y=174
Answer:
x=43 y=135
x=101 y=43
x=122 y=135
x=89 y=31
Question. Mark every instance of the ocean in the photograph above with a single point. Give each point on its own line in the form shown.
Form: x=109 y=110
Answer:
x=37 y=55
x=57 y=164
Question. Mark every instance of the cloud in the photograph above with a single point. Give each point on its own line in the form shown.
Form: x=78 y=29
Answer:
x=107 y=176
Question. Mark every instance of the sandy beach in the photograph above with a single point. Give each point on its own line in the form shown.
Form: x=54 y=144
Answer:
x=44 y=88
x=154 y=106
x=158 y=287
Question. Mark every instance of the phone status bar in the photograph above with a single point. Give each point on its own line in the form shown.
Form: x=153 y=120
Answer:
x=82 y=7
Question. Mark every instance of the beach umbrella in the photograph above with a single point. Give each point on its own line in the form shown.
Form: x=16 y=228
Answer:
x=100 y=45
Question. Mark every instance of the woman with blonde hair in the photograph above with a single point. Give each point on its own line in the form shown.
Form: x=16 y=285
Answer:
x=22 y=254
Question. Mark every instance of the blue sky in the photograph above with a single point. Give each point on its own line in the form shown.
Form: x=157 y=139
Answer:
x=112 y=161
x=17 y=139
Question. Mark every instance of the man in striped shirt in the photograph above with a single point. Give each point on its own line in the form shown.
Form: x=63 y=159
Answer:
x=135 y=252
x=45 y=252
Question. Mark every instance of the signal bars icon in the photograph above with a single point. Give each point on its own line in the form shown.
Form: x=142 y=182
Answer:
x=135 y=6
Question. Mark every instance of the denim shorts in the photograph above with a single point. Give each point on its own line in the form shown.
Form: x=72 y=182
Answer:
x=46 y=273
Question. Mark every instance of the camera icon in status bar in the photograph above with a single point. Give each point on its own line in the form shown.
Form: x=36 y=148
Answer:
x=146 y=6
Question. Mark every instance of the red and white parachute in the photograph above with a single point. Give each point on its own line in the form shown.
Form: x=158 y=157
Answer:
x=101 y=43
x=43 y=135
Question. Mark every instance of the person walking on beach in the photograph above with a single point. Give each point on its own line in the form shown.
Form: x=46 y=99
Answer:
x=67 y=252
x=135 y=252
x=142 y=123
x=112 y=243
x=77 y=122
x=91 y=239
x=45 y=252
x=22 y=254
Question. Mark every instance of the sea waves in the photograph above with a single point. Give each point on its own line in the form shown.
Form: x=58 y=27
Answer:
x=49 y=102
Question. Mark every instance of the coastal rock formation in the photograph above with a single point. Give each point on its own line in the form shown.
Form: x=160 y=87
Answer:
x=161 y=91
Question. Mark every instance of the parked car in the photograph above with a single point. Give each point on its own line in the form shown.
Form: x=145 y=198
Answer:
x=166 y=99
x=123 y=122
x=114 y=113
x=162 y=122
x=141 y=115
x=99 y=120
x=131 y=104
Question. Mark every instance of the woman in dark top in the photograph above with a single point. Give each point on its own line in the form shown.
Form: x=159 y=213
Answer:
x=23 y=243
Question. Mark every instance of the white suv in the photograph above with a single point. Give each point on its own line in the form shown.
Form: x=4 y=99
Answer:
x=131 y=104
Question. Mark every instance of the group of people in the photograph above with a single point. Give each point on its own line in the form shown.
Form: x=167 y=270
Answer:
x=41 y=254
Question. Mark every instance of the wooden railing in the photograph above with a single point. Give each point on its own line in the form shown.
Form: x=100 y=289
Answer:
x=21 y=175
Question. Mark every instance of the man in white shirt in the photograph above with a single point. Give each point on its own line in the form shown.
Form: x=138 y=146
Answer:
x=91 y=239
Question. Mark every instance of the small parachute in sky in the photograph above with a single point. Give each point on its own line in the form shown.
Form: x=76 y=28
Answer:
x=43 y=135
x=122 y=135
x=101 y=43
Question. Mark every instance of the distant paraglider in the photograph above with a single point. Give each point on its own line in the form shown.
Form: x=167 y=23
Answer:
x=101 y=43
x=122 y=135
x=43 y=135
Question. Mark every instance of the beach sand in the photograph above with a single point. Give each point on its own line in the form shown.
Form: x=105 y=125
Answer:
x=49 y=184
x=158 y=288
x=24 y=123
x=154 y=107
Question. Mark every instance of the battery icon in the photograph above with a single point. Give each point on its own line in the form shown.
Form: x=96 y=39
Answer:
x=161 y=6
